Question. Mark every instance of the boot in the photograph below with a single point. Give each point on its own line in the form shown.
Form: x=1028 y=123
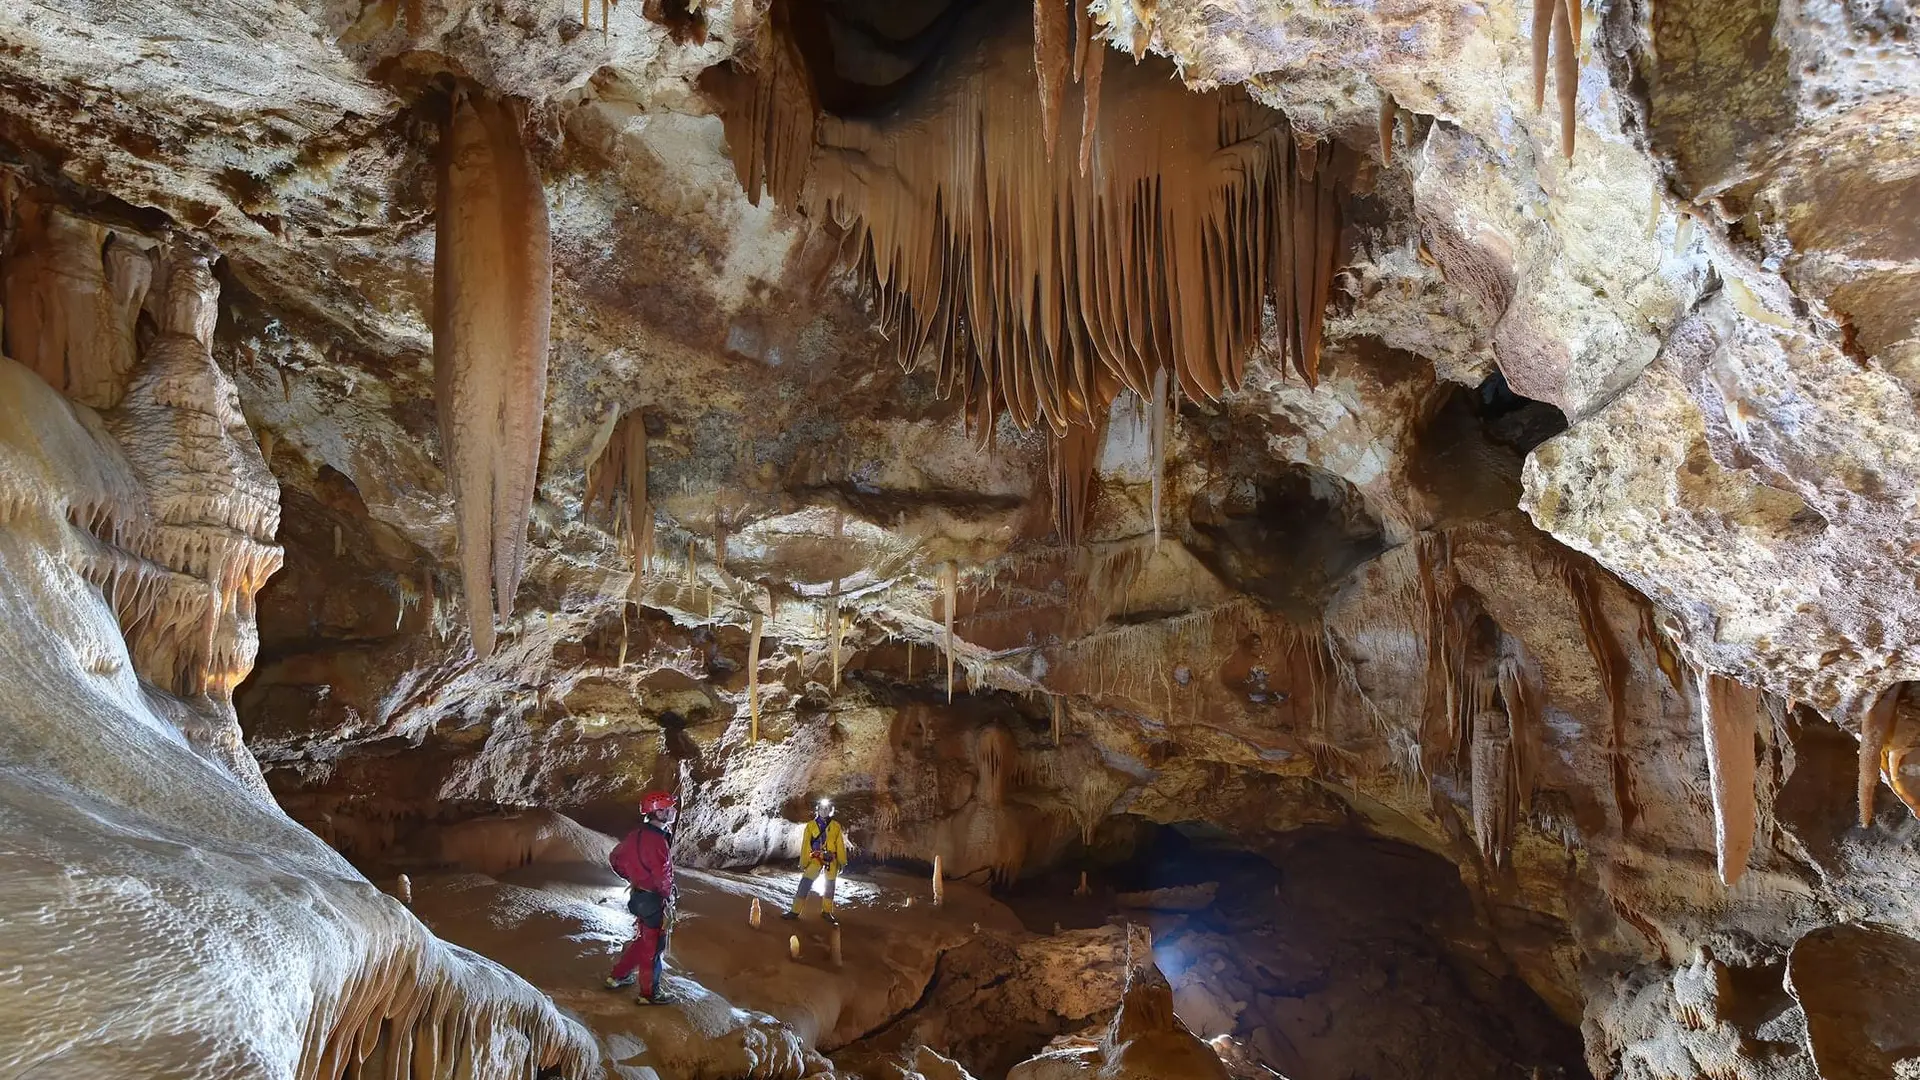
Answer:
x=789 y=915
x=622 y=982
x=831 y=919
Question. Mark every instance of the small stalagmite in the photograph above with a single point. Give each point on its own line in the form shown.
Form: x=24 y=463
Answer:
x=403 y=888
x=833 y=942
x=939 y=883
x=492 y=310
x=1083 y=889
x=753 y=914
x=793 y=947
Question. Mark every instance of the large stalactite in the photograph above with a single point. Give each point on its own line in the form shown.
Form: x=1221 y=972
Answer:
x=493 y=305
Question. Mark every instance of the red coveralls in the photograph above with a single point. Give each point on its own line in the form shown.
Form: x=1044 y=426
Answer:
x=642 y=858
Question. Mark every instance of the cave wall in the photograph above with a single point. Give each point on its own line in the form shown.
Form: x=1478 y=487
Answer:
x=1713 y=291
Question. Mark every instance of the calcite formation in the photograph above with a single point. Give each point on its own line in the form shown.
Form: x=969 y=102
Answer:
x=492 y=312
x=1112 y=449
x=180 y=921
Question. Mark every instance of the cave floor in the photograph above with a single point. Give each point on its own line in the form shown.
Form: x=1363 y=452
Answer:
x=560 y=925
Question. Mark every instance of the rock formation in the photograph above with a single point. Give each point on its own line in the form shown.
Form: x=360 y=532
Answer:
x=1248 y=471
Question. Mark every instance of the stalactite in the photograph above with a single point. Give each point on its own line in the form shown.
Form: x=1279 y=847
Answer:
x=1070 y=461
x=73 y=291
x=1038 y=290
x=1157 y=444
x=1876 y=728
x=1089 y=64
x=753 y=678
x=1612 y=666
x=617 y=480
x=840 y=619
x=1057 y=716
x=493 y=299
x=1556 y=29
x=939 y=883
x=1566 y=74
x=1052 y=30
x=1491 y=786
x=1728 y=714
x=1388 y=109
x=1524 y=720
x=950 y=594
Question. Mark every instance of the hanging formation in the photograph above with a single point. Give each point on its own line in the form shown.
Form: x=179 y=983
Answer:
x=1037 y=281
x=1556 y=29
x=492 y=310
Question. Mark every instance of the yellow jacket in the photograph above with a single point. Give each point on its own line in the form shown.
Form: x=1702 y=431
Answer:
x=834 y=844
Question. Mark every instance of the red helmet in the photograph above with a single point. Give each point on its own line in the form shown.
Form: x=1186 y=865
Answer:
x=655 y=801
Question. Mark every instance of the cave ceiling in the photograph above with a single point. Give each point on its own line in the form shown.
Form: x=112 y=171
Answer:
x=1246 y=413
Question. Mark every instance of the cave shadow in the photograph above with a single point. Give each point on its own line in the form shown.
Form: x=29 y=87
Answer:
x=1330 y=951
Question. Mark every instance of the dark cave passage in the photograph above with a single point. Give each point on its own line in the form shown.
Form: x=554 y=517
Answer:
x=1333 y=953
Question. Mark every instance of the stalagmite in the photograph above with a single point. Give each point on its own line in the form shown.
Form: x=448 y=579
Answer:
x=1876 y=727
x=493 y=299
x=753 y=682
x=793 y=947
x=1727 y=721
x=939 y=883
x=833 y=945
x=950 y=591
x=753 y=914
x=1083 y=889
x=403 y=887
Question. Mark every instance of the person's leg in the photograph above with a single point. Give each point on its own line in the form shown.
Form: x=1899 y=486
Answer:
x=632 y=956
x=648 y=958
x=826 y=904
x=806 y=882
x=659 y=966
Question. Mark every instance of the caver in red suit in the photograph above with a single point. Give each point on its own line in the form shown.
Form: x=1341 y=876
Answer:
x=644 y=858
